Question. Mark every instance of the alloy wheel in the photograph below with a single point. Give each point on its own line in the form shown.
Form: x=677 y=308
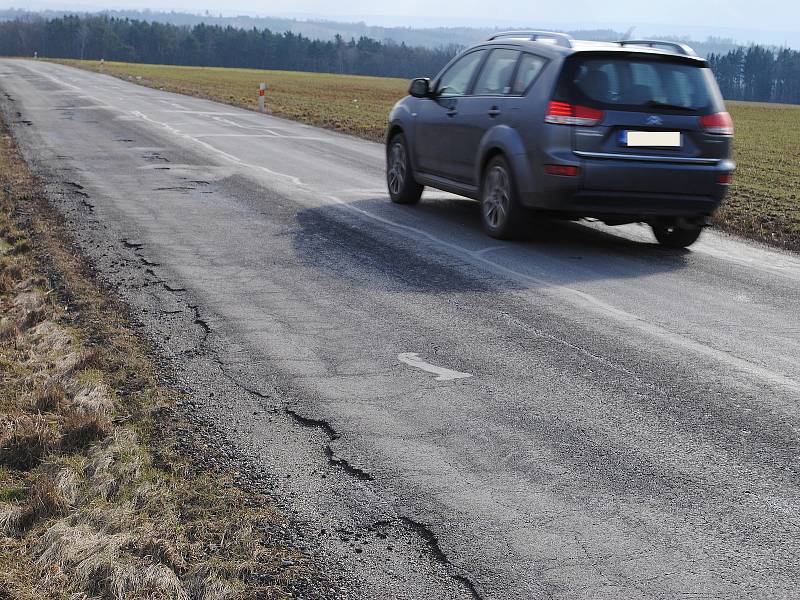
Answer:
x=497 y=197
x=397 y=168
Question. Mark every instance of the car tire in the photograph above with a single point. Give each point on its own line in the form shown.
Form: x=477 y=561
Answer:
x=670 y=235
x=502 y=214
x=403 y=188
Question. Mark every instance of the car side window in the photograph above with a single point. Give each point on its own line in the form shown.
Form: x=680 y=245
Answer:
x=530 y=66
x=456 y=80
x=495 y=77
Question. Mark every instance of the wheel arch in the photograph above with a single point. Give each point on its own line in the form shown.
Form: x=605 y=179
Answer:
x=401 y=124
x=506 y=141
x=393 y=130
x=486 y=158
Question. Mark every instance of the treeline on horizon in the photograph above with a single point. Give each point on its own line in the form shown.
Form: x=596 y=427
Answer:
x=758 y=74
x=754 y=73
x=126 y=40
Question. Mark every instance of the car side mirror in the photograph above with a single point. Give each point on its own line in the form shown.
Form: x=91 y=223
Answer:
x=420 y=87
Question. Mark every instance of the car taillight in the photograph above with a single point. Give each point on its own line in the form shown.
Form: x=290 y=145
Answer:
x=563 y=170
x=564 y=113
x=725 y=178
x=718 y=123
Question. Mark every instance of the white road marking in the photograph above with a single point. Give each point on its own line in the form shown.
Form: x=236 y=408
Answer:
x=203 y=112
x=490 y=249
x=259 y=135
x=412 y=359
x=226 y=155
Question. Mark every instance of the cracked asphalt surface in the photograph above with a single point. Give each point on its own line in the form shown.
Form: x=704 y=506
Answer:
x=630 y=429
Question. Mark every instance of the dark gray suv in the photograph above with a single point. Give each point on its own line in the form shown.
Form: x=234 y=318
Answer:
x=631 y=131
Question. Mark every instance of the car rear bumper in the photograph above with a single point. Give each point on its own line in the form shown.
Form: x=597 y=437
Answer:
x=639 y=204
x=631 y=188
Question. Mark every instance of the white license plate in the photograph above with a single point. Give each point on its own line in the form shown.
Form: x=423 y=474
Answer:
x=652 y=139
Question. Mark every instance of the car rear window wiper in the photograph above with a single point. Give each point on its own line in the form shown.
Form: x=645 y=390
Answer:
x=656 y=104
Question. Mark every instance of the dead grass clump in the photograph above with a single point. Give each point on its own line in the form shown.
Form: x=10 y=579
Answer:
x=28 y=309
x=16 y=520
x=98 y=563
x=207 y=586
x=93 y=399
x=8 y=331
x=83 y=552
x=11 y=268
x=83 y=360
x=163 y=551
x=50 y=397
x=49 y=342
x=53 y=493
x=6 y=282
x=114 y=464
x=81 y=429
x=21 y=246
x=140 y=580
x=30 y=440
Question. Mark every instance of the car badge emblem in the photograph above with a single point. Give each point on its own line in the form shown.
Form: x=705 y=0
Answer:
x=655 y=120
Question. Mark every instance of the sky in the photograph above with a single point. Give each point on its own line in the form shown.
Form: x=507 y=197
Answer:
x=735 y=18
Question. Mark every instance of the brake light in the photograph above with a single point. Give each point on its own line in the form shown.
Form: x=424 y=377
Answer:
x=725 y=178
x=563 y=170
x=564 y=113
x=718 y=123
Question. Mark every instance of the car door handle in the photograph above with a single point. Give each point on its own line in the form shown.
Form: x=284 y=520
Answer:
x=493 y=112
x=452 y=112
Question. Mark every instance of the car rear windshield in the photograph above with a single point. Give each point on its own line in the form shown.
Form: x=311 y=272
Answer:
x=639 y=83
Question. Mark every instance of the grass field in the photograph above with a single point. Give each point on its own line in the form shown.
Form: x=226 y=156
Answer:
x=763 y=203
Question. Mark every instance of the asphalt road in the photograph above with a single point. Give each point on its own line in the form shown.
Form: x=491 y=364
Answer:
x=629 y=427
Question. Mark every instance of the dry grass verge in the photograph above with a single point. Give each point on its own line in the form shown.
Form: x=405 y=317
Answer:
x=95 y=502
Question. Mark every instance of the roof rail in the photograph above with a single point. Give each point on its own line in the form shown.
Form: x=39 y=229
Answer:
x=674 y=46
x=562 y=39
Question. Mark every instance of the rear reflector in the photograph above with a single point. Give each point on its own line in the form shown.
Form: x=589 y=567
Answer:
x=564 y=113
x=725 y=178
x=564 y=170
x=718 y=123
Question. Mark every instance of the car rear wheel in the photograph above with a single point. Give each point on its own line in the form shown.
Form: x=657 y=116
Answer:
x=501 y=213
x=403 y=188
x=672 y=235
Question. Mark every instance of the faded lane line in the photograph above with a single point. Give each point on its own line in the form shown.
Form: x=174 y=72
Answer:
x=226 y=155
x=412 y=359
x=202 y=112
x=259 y=135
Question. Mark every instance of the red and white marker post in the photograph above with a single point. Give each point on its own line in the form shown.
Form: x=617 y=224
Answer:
x=262 y=90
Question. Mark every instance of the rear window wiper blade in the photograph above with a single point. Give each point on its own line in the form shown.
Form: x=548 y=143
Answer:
x=655 y=104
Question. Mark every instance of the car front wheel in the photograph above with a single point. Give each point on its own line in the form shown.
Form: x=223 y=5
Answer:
x=403 y=188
